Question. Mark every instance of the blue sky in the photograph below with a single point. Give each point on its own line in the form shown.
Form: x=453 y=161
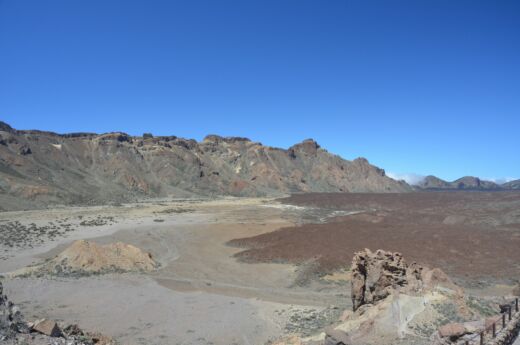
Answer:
x=425 y=87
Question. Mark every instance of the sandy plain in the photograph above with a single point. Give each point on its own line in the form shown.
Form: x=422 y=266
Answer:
x=201 y=294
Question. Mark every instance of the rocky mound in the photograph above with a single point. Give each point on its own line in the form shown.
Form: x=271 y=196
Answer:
x=14 y=330
x=377 y=275
x=41 y=168
x=396 y=302
x=87 y=257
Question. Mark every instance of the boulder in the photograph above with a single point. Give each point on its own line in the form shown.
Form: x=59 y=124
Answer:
x=47 y=327
x=336 y=337
x=452 y=330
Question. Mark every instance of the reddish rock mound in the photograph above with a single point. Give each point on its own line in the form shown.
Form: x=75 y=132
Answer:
x=375 y=275
x=87 y=257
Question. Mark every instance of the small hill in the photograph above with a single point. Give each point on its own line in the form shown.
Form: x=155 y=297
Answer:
x=433 y=182
x=87 y=257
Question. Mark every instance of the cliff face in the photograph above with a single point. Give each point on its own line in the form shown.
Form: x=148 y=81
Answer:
x=42 y=168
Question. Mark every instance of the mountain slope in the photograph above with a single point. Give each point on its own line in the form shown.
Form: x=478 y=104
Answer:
x=41 y=168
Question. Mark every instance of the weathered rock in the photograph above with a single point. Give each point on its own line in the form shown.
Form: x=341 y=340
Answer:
x=11 y=319
x=452 y=330
x=25 y=150
x=336 y=337
x=47 y=327
x=73 y=330
x=376 y=275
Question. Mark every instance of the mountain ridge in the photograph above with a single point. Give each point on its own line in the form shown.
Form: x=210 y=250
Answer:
x=431 y=182
x=41 y=169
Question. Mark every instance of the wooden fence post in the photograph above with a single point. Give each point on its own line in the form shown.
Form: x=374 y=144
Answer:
x=504 y=320
x=481 y=338
x=494 y=329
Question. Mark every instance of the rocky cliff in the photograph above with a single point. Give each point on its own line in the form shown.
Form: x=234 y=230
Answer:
x=39 y=169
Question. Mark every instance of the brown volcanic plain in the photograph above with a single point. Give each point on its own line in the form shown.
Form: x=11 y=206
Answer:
x=468 y=234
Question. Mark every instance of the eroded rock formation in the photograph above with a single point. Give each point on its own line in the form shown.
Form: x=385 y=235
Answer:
x=375 y=275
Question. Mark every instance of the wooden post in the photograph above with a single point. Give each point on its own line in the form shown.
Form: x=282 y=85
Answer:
x=509 y=311
x=481 y=338
x=494 y=329
x=504 y=320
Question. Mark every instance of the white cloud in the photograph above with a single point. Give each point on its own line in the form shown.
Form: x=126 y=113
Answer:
x=410 y=178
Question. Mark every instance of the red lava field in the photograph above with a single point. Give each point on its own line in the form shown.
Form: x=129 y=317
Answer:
x=467 y=234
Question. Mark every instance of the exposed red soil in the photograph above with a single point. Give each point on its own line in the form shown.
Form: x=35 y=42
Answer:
x=467 y=234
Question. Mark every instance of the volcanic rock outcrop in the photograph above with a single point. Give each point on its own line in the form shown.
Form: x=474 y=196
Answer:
x=400 y=303
x=377 y=275
x=38 y=169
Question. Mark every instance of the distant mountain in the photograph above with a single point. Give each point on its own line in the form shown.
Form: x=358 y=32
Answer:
x=39 y=168
x=433 y=182
x=512 y=184
x=463 y=183
x=470 y=182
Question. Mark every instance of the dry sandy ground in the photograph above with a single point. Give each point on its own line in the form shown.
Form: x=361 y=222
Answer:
x=200 y=295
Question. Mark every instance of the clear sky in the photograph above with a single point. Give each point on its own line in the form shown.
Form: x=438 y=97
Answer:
x=422 y=86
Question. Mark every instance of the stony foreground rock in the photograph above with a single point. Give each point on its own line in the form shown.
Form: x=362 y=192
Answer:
x=47 y=327
x=11 y=319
